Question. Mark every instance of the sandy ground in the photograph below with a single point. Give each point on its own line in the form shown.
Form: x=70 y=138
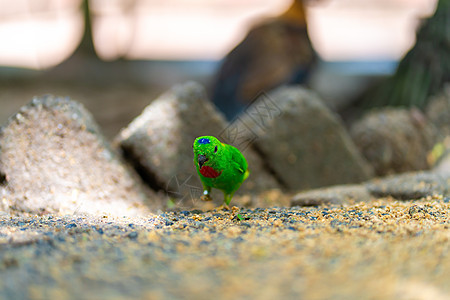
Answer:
x=384 y=249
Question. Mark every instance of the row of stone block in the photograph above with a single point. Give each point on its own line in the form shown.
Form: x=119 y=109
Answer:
x=53 y=157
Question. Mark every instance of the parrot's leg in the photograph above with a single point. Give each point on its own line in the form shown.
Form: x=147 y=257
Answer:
x=206 y=192
x=227 y=198
x=226 y=201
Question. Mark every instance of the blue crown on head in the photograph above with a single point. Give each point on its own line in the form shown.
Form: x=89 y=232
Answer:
x=204 y=141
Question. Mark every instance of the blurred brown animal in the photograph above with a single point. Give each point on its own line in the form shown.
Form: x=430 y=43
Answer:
x=275 y=52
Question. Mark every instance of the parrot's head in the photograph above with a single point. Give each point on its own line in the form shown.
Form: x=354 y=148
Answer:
x=207 y=154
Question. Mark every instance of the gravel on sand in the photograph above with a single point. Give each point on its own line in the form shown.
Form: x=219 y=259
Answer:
x=384 y=249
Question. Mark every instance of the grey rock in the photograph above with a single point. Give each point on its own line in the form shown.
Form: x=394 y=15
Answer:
x=340 y=194
x=394 y=140
x=302 y=141
x=53 y=159
x=442 y=166
x=159 y=143
x=438 y=112
x=410 y=186
x=407 y=186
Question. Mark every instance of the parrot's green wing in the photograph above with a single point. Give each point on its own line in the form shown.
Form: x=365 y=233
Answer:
x=238 y=161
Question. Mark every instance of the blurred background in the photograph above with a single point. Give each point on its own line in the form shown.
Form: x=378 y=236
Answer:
x=116 y=56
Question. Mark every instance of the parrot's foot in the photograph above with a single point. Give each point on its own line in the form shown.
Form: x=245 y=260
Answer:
x=223 y=207
x=206 y=198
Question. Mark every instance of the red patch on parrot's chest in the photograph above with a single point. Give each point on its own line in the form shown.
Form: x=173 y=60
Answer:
x=209 y=172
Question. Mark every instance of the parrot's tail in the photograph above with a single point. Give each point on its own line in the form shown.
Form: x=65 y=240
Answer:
x=246 y=174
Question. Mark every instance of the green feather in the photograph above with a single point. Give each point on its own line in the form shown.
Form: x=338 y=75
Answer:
x=224 y=159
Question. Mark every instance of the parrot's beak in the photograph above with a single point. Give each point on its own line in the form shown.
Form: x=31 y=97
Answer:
x=201 y=160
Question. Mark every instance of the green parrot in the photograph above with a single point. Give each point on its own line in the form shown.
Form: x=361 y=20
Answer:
x=219 y=166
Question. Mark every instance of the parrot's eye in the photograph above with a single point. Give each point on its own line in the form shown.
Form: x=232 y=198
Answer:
x=215 y=149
